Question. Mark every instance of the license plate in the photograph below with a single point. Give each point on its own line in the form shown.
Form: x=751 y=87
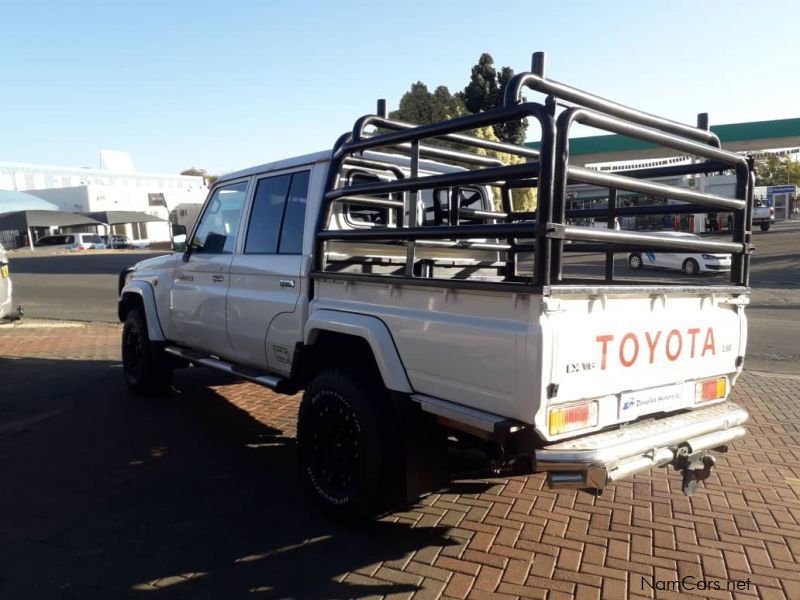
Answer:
x=4 y=271
x=642 y=402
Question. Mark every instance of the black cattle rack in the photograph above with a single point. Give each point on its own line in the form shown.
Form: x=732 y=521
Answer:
x=544 y=234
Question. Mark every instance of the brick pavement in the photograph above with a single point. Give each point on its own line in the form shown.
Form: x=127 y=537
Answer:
x=195 y=495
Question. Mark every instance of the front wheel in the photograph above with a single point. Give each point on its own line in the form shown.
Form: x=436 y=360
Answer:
x=690 y=267
x=339 y=443
x=635 y=261
x=765 y=225
x=148 y=371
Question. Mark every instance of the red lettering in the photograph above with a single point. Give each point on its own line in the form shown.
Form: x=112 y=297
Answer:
x=693 y=332
x=651 y=344
x=625 y=362
x=674 y=334
x=604 y=339
x=709 y=343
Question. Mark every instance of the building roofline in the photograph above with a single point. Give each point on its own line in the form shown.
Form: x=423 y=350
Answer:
x=728 y=133
x=93 y=171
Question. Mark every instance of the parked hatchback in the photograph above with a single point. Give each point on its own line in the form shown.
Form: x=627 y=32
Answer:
x=691 y=263
x=117 y=241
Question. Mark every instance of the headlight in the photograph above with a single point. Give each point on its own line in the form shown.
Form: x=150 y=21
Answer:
x=710 y=257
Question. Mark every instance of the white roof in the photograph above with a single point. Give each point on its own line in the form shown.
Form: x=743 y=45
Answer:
x=286 y=163
x=307 y=159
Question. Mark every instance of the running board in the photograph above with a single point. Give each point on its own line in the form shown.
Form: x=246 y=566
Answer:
x=466 y=418
x=252 y=375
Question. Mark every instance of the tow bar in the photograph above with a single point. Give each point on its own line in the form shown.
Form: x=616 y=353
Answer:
x=694 y=467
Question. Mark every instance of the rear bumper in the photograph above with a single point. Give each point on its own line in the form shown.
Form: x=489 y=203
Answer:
x=593 y=461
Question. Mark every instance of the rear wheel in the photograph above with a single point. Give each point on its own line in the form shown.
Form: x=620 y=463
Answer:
x=340 y=449
x=690 y=266
x=765 y=225
x=635 y=261
x=148 y=371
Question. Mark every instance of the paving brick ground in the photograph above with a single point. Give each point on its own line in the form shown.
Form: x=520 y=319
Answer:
x=104 y=495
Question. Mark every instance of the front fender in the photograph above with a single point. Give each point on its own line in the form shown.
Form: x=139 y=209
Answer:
x=373 y=331
x=141 y=291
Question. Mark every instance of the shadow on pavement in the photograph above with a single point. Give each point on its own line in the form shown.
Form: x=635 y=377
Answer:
x=105 y=494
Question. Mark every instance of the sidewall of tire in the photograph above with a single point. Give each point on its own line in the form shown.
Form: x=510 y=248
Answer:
x=155 y=368
x=362 y=499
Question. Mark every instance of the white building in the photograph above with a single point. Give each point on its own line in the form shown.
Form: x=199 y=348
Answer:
x=116 y=186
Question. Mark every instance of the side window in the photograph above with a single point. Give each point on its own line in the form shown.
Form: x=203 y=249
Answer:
x=294 y=217
x=216 y=233
x=437 y=204
x=277 y=219
x=366 y=214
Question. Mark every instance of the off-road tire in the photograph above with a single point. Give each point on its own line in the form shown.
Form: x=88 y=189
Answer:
x=341 y=451
x=764 y=225
x=147 y=369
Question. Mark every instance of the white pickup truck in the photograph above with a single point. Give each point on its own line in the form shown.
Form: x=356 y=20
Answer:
x=392 y=280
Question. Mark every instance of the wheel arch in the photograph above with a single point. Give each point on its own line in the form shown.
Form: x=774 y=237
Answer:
x=139 y=294
x=341 y=338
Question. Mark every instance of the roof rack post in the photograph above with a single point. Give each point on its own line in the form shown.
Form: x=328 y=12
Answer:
x=537 y=63
x=381 y=112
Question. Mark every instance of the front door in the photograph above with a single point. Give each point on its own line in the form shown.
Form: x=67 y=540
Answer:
x=266 y=282
x=198 y=296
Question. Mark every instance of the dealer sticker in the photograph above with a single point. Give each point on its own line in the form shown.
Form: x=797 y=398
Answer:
x=660 y=399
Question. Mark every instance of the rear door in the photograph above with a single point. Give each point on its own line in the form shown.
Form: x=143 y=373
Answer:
x=266 y=274
x=200 y=286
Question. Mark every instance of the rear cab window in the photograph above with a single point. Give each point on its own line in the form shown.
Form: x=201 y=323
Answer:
x=278 y=214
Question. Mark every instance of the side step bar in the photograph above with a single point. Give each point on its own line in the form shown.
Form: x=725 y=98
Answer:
x=262 y=378
x=465 y=418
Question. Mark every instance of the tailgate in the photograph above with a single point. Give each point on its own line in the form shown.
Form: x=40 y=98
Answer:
x=645 y=348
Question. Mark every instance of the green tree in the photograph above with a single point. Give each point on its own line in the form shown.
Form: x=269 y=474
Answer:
x=485 y=92
x=777 y=170
x=422 y=107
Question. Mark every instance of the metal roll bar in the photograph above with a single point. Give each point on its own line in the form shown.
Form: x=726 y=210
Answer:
x=544 y=230
x=535 y=80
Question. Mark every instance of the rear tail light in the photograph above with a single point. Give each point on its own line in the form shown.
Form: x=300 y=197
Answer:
x=710 y=389
x=564 y=419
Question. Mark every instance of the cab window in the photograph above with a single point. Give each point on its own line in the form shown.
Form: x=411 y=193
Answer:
x=216 y=233
x=278 y=216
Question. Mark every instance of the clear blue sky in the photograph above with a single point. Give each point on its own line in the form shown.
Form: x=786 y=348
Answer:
x=224 y=85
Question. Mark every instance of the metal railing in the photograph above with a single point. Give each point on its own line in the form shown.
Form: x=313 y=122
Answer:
x=548 y=170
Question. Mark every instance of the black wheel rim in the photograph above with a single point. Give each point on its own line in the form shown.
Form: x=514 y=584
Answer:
x=131 y=352
x=335 y=448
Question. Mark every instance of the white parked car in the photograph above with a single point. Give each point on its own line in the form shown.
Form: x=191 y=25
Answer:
x=72 y=241
x=691 y=263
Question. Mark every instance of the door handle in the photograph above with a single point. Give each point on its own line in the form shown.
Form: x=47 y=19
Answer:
x=217 y=278
x=287 y=283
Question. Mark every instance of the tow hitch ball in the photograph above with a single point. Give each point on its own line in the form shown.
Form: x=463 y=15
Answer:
x=694 y=468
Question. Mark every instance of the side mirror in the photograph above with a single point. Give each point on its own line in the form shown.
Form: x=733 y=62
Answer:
x=179 y=243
